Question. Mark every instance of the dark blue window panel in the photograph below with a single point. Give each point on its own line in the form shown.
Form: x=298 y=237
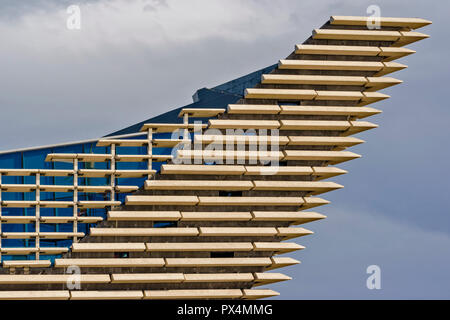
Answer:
x=237 y=86
x=11 y=179
x=35 y=159
x=13 y=227
x=11 y=160
x=157 y=166
x=13 y=243
x=50 y=257
x=131 y=181
x=131 y=165
x=49 y=227
x=16 y=211
x=18 y=257
x=51 y=243
x=164 y=224
x=93 y=181
x=131 y=150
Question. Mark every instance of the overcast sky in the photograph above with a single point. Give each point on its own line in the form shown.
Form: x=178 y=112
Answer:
x=138 y=58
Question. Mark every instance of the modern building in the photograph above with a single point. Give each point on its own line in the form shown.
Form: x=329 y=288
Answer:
x=198 y=202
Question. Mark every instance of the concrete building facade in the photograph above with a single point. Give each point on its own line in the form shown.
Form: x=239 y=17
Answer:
x=201 y=206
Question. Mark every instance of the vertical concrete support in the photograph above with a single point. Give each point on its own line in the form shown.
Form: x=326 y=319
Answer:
x=198 y=146
x=186 y=140
x=38 y=214
x=113 y=174
x=75 y=198
x=150 y=150
x=0 y=217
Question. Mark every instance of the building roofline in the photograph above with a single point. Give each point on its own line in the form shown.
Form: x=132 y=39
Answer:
x=63 y=144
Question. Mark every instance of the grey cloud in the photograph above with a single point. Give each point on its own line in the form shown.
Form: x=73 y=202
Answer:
x=12 y=9
x=153 y=5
